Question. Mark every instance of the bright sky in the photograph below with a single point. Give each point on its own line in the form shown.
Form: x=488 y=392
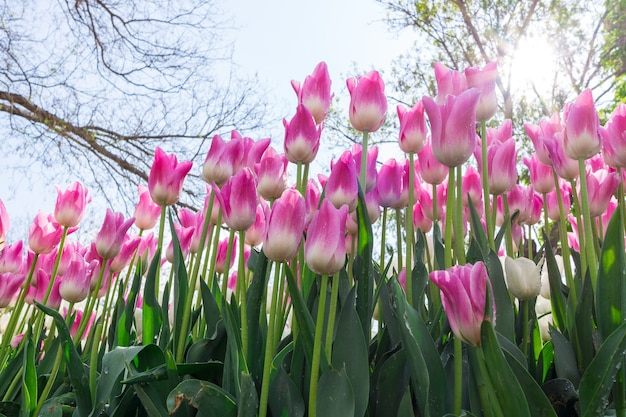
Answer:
x=279 y=40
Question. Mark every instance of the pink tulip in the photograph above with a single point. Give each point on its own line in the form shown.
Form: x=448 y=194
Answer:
x=582 y=124
x=342 y=186
x=271 y=173
x=238 y=199
x=285 y=227
x=614 y=139
x=603 y=220
x=147 y=248
x=520 y=200
x=302 y=137
x=553 y=202
x=564 y=166
x=389 y=183
x=184 y=235
x=255 y=233
x=9 y=287
x=502 y=166
x=4 y=224
x=472 y=188
x=110 y=238
x=221 y=160
x=601 y=185
x=75 y=325
x=165 y=181
x=372 y=205
x=70 y=205
x=122 y=259
x=147 y=213
x=573 y=237
x=449 y=82
x=431 y=170
x=315 y=92
x=463 y=294
x=253 y=150
x=370 y=171
x=75 y=283
x=312 y=200
x=541 y=177
x=44 y=234
x=420 y=221
x=413 y=129
x=38 y=291
x=368 y=104
x=453 y=127
x=195 y=221
x=485 y=81
x=220 y=259
x=11 y=258
x=535 y=210
x=324 y=247
x=538 y=134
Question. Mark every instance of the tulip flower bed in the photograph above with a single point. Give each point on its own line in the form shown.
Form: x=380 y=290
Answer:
x=492 y=298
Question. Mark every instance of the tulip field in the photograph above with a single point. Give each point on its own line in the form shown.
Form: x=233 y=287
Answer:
x=437 y=283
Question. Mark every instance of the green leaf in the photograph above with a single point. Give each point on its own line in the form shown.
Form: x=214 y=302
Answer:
x=235 y=361
x=406 y=405
x=29 y=380
x=506 y=386
x=306 y=326
x=427 y=373
x=391 y=381
x=582 y=331
x=208 y=398
x=556 y=294
x=334 y=394
x=151 y=312
x=538 y=403
x=350 y=353
x=611 y=289
x=248 y=401
x=114 y=365
x=363 y=267
x=564 y=357
x=78 y=376
x=181 y=289
x=211 y=310
x=285 y=398
x=256 y=313
x=505 y=314
x=125 y=322
x=11 y=370
x=597 y=380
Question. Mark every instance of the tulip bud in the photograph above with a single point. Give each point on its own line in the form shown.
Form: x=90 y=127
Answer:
x=324 y=248
x=70 y=205
x=523 y=278
x=582 y=124
x=368 y=104
x=485 y=81
x=44 y=234
x=165 y=181
x=110 y=238
x=463 y=296
x=4 y=224
x=285 y=227
x=147 y=213
x=342 y=186
x=412 y=128
x=238 y=199
x=315 y=92
x=75 y=283
x=302 y=137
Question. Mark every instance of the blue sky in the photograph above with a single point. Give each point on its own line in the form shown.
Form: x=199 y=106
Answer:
x=278 y=40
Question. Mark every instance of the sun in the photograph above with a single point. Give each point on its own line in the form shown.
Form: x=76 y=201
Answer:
x=533 y=65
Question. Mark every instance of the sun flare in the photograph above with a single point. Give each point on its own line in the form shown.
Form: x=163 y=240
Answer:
x=533 y=65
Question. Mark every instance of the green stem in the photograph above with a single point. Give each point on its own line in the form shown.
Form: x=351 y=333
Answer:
x=363 y=176
x=334 y=292
x=458 y=220
x=160 y=247
x=590 y=252
x=269 y=345
x=242 y=286
x=485 y=182
x=491 y=406
x=15 y=315
x=399 y=239
x=53 y=376
x=229 y=253
x=567 y=265
x=449 y=221
x=581 y=228
x=508 y=233
x=458 y=375
x=93 y=363
x=524 y=306
x=317 y=347
x=90 y=304
x=382 y=239
x=409 y=231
